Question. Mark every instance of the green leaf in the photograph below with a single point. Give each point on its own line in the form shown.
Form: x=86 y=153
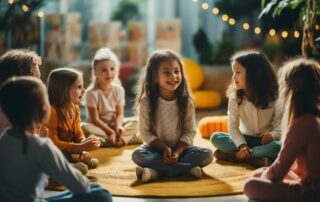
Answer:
x=267 y=9
x=278 y=9
x=296 y=3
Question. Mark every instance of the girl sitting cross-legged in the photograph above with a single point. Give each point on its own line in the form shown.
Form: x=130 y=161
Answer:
x=166 y=122
x=65 y=89
x=105 y=99
x=254 y=114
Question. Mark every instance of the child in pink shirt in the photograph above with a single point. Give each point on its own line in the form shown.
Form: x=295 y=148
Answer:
x=295 y=174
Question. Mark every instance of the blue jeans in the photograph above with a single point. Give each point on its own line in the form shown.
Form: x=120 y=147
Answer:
x=146 y=156
x=224 y=143
x=97 y=194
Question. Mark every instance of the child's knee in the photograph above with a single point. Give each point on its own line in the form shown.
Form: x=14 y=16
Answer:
x=138 y=157
x=216 y=138
x=248 y=188
x=206 y=157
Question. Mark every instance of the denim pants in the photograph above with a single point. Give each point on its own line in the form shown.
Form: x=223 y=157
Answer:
x=146 y=156
x=224 y=143
x=97 y=194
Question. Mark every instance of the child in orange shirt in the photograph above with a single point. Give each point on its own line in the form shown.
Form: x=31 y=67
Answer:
x=65 y=89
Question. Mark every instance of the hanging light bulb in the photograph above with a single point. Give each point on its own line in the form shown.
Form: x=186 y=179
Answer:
x=272 y=32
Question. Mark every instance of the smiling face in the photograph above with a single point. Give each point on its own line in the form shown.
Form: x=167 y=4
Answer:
x=169 y=78
x=239 y=75
x=105 y=72
x=77 y=91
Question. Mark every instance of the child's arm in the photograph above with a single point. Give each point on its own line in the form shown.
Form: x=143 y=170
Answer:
x=94 y=117
x=145 y=130
x=52 y=125
x=56 y=166
x=119 y=119
x=276 y=122
x=188 y=128
x=234 y=123
x=296 y=140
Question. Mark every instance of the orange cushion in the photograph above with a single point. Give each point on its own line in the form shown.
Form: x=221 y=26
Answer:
x=210 y=124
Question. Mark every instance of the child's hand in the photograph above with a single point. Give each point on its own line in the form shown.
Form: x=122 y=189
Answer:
x=91 y=144
x=266 y=138
x=82 y=157
x=120 y=131
x=43 y=131
x=243 y=153
x=112 y=137
x=167 y=155
x=173 y=158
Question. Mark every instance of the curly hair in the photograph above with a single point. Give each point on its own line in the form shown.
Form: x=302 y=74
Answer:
x=149 y=87
x=261 y=80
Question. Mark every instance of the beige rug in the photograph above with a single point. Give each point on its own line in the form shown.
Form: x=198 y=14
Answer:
x=116 y=173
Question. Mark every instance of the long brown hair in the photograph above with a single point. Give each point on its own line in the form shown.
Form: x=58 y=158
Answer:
x=149 y=87
x=300 y=88
x=21 y=116
x=59 y=83
x=261 y=80
x=18 y=62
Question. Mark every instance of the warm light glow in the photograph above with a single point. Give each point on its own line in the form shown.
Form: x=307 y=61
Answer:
x=225 y=17
x=25 y=8
x=257 y=30
x=284 y=34
x=232 y=21
x=317 y=27
x=205 y=6
x=272 y=32
x=10 y=1
x=296 y=34
x=195 y=0
x=245 y=26
x=215 y=11
x=40 y=14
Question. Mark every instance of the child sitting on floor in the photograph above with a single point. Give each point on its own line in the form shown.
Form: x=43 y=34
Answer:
x=295 y=174
x=105 y=101
x=254 y=116
x=166 y=122
x=28 y=160
x=65 y=89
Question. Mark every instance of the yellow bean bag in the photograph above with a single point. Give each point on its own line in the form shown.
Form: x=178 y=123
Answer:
x=194 y=73
x=210 y=124
x=206 y=99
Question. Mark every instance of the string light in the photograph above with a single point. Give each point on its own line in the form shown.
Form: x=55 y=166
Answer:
x=25 y=8
x=10 y=1
x=257 y=30
x=215 y=11
x=205 y=6
x=232 y=21
x=225 y=17
x=40 y=14
x=245 y=26
x=284 y=34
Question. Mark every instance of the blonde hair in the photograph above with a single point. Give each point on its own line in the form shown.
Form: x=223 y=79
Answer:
x=105 y=54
